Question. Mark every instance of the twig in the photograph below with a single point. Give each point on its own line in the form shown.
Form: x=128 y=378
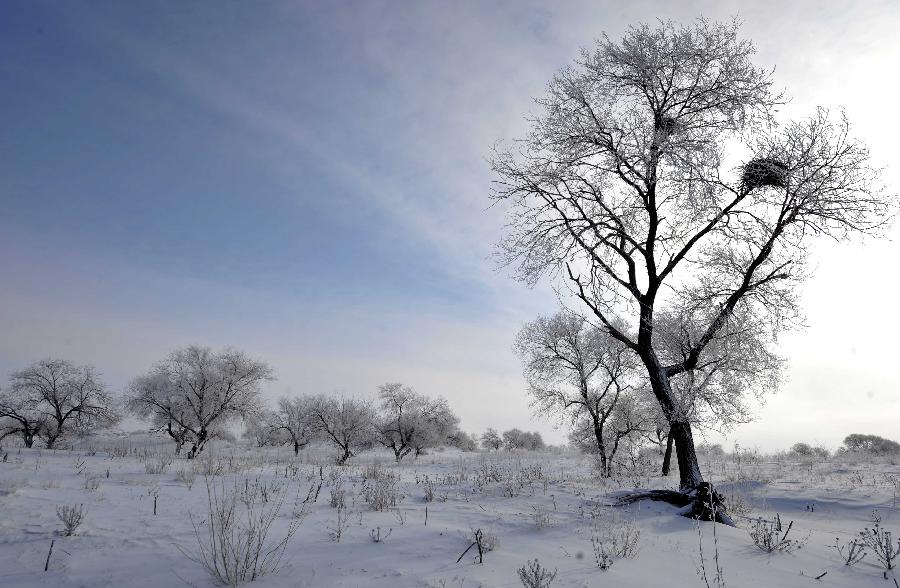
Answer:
x=49 y=553
x=465 y=552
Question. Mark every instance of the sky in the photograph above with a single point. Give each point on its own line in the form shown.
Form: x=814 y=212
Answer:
x=307 y=181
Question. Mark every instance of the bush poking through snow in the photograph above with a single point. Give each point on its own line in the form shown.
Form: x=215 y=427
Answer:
x=377 y=537
x=233 y=544
x=71 y=518
x=619 y=540
x=534 y=575
x=882 y=545
x=186 y=477
x=341 y=523
x=158 y=466
x=484 y=540
x=768 y=536
x=851 y=553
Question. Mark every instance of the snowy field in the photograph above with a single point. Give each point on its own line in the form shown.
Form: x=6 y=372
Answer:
x=548 y=506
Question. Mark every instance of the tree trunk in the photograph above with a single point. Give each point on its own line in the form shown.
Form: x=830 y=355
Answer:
x=296 y=449
x=688 y=466
x=667 y=457
x=601 y=448
x=680 y=431
x=198 y=444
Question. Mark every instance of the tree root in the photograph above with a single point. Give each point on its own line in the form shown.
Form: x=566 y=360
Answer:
x=702 y=503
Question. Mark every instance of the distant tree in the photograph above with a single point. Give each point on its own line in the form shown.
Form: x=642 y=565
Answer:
x=518 y=439
x=347 y=423
x=20 y=416
x=802 y=449
x=260 y=427
x=462 y=441
x=807 y=450
x=59 y=397
x=626 y=188
x=581 y=373
x=870 y=443
x=295 y=421
x=624 y=426
x=411 y=422
x=195 y=392
x=491 y=439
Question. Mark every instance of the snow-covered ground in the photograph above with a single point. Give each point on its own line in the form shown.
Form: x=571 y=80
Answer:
x=530 y=505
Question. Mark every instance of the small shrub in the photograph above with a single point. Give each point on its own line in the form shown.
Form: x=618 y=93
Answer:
x=71 y=518
x=235 y=549
x=158 y=466
x=381 y=495
x=484 y=541
x=534 y=575
x=186 y=476
x=882 y=544
x=619 y=540
x=428 y=486
x=851 y=553
x=342 y=522
x=768 y=536
x=376 y=536
x=541 y=518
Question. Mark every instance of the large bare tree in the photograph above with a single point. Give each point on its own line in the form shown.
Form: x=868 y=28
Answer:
x=655 y=176
x=195 y=391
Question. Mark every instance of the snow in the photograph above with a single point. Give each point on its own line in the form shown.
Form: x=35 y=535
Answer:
x=546 y=506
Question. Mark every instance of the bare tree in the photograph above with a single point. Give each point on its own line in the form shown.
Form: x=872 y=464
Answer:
x=344 y=422
x=580 y=372
x=625 y=426
x=196 y=391
x=411 y=422
x=491 y=439
x=295 y=419
x=60 y=397
x=519 y=439
x=655 y=174
x=19 y=415
x=399 y=419
x=438 y=423
x=260 y=427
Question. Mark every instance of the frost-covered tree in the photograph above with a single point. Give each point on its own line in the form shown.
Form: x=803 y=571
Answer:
x=260 y=428
x=54 y=397
x=346 y=423
x=462 y=441
x=295 y=421
x=625 y=426
x=491 y=439
x=411 y=422
x=518 y=439
x=580 y=373
x=195 y=392
x=655 y=177
x=20 y=416
x=872 y=443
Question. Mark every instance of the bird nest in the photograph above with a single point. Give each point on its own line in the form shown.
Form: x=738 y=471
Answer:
x=765 y=171
x=665 y=125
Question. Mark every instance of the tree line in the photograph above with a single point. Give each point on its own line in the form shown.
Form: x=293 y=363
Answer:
x=196 y=393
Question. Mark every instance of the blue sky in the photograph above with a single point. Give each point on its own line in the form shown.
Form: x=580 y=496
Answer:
x=307 y=180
